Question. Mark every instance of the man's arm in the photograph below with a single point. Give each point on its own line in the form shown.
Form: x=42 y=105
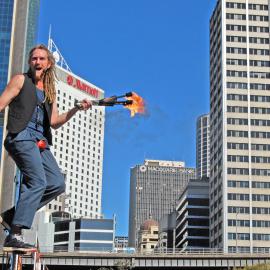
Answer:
x=58 y=120
x=11 y=91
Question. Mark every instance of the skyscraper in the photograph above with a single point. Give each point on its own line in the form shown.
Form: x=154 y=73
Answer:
x=18 y=27
x=202 y=146
x=155 y=187
x=78 y=148
x=27 y=13
x=240 y=126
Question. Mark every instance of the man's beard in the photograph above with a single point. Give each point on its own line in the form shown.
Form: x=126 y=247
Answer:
x=33 y=73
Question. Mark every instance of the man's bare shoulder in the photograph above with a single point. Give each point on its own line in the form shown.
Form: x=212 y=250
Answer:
x=17 y=81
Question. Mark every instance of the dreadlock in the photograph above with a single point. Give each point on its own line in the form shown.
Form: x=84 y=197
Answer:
x=49 y=75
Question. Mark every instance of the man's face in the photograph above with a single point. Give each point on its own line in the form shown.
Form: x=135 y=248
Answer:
x=39 y=62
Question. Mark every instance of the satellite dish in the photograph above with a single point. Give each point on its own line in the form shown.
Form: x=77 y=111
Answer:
x=56 y=56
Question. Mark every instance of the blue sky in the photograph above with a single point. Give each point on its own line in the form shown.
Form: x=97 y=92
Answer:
x=157 y=48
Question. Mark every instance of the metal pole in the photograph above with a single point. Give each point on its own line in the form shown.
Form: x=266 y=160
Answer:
x=236 y=228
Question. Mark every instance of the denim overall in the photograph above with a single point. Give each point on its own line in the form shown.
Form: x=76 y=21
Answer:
x=42 y=179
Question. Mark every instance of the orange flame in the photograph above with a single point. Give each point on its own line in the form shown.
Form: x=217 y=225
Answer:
x=137 y=105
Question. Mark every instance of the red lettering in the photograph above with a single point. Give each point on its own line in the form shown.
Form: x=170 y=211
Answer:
x=69 y=80
x=76 y=83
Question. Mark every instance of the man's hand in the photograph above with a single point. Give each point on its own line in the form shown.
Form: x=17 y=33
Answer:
x=85 y=104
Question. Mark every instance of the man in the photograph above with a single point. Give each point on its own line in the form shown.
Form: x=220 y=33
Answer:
x=32 y=112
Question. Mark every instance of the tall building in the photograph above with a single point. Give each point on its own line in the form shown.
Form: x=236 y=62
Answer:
x=240 y=126
x=26 y=12
x=78 y=148
x=155 y=187
x=202 y=146
x=18 y=25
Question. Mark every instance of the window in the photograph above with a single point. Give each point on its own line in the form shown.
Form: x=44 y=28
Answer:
x=257 y=18
x=232 y=16
x=236 y=50
x=238 y=197
x=238 y=184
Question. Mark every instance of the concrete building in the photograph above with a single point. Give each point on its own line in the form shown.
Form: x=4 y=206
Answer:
x=154 y=188
x=84 y=235
x=78 y=148
x=240 y=126
x=120 y=242
x=203 y=146
x=58 y=233
x=192 y=221
x=148 y=236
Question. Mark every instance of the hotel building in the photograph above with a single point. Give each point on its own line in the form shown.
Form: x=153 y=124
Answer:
x=78 y=148
x=240 y=126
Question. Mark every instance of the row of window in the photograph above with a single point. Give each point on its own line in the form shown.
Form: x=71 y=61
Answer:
x=245 y=210
x=256 y=40
x=243 y=28
x=242 y=109
x=244 y=121
x=246 y=236
x=239 y=146
x=255 y=98
x=245 y=171
x=258 y=18
x=236 y=50
x=243 y=62
x=245 y=184
x=253 y=86
x=252 y=74
x=243 y=6
x=238 y=223
x=246 y=197
x=254 y=159
x=254 y=134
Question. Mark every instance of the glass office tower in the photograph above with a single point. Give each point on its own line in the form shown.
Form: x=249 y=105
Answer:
x=6 y=12
x=9 y=10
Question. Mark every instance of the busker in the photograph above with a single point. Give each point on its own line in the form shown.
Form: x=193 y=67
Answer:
x=32 y=112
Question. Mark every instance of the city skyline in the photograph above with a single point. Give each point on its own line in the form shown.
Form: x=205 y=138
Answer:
x=156 y=49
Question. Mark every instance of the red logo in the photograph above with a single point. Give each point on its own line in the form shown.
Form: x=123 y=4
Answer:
x=82 y=86
x=69 y=80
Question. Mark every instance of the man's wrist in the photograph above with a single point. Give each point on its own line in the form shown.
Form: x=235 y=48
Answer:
x=78 y=106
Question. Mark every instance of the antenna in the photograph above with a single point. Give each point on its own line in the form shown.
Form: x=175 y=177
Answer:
x=49 y=43
x=59 y=59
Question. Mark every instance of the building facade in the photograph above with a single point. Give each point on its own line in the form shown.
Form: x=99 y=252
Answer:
x=192 y=222
x=148 y=236
x=78 y=148
x=57 y=232
x=202 y=146
x=27 y=12
x=17 y=20
x=120 y=242
x=155 y=187
x=167 y=225
x=240 y=126
x=96 y=235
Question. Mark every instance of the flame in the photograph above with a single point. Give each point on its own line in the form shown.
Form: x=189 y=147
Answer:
x=137 y=105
